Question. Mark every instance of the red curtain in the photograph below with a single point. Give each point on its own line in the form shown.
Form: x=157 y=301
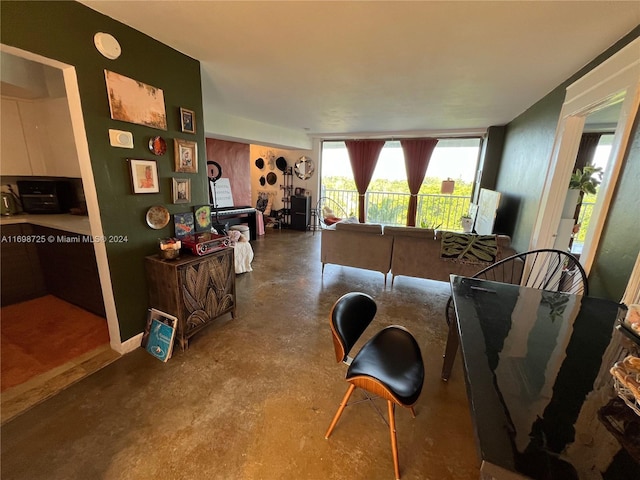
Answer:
x=417 y=153
x=363 y=155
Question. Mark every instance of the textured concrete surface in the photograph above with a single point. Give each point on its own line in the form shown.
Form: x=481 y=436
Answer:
x=252 y=397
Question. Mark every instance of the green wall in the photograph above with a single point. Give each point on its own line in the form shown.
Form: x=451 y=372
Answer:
x=527 y=149
x=620 y=242
x=64 y=31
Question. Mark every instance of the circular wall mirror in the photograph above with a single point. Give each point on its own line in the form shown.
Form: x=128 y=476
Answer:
x=304 y=168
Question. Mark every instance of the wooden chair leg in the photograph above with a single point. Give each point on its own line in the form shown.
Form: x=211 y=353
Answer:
x=340 y=409
x=394 y=440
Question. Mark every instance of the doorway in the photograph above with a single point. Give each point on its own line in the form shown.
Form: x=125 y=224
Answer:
x=25 y=395
x=615 y=81
x=599 y=160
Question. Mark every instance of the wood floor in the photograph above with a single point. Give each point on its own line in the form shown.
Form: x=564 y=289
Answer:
x=46 y=345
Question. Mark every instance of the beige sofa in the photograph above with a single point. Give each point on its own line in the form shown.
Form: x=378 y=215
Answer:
x=407 y=251
x=416 y=253
x=360 y=245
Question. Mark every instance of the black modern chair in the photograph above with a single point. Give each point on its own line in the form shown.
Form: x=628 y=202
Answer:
x=389 y=365
x=546 y=269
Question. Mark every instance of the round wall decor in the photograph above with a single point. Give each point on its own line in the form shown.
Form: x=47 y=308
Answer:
x=214 y=170
x=304 y=168
x=281 y=163
x=272 y=178
x=157 y=217
x=157 y=145
x=107 y=45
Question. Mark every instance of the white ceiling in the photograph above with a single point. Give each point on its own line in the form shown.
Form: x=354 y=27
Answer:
x=366 y=67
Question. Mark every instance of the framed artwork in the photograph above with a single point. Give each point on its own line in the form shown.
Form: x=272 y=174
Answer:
x=202 y=216
x=135 y=102
x=187 y=120
x=181 y=190
x=183 y=224
x=186 y=156
x=144 y=176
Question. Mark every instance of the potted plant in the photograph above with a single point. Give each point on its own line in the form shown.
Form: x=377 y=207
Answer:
x=586 y=180
x=581 y=182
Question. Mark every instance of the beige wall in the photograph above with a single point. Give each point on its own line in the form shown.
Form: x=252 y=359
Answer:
x=259 y=151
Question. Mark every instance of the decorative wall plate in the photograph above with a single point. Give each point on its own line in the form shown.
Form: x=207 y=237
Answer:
x=281 y=163
x=157 y=145
x=272 y=178
x=157 y=217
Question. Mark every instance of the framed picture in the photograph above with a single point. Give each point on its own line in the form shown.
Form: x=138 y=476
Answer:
x=135 y=102
x=186 y=156
x=187 y=120
x=181 y=190
x=183 y=224
x=202 y=217
x=144 y=176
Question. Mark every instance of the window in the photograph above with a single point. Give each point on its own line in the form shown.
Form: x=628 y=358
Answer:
x=388 y=192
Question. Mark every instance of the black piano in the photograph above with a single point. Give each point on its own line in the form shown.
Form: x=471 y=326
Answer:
x=235 y=216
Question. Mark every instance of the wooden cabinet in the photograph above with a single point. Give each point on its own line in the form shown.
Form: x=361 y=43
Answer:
x=14 y=154
x=196 y=290
x=300 y=212
x=69 y=269
x=37 y=138
x=21 y=274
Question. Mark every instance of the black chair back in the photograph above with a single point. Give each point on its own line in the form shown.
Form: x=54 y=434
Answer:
x=350 y=317
x=545 y=269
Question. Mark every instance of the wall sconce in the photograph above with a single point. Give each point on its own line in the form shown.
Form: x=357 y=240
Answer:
x=447 y=186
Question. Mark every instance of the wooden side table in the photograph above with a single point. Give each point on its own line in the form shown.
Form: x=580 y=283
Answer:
x=196 y=290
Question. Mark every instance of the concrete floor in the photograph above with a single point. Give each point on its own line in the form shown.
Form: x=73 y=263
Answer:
x=252 y=397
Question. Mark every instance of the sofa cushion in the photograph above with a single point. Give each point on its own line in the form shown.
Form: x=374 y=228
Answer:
x=414 y=232
x=371 y=228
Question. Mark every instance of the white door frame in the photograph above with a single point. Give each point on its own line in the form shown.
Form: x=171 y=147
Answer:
x=89 y=186
x=616 y=79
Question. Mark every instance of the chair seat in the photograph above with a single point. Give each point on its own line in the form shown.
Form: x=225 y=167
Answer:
x=393 y=358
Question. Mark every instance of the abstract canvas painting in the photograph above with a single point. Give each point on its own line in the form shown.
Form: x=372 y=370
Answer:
x=135 y=102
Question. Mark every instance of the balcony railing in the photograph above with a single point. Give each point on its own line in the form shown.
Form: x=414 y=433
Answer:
x=434 y=211
x=586 y=209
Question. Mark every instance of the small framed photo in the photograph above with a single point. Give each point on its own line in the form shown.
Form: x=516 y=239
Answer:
x=186 y=156
x=144 y=176
x=181 y=190
x=187 y=120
